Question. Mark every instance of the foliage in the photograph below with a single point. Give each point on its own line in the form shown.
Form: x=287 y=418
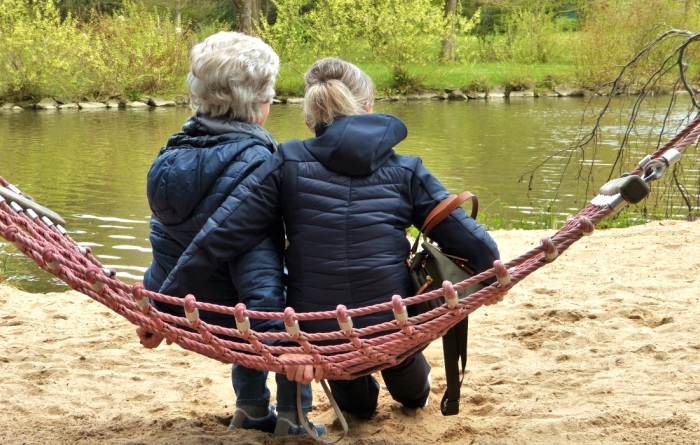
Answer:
x=40 y=54
x=362 y=31
x=83 y=9
x=643 y=120
x=130 y=51
x=98 y=48
x=8 y=263
x=614 y=30
x=531 y=36
x=138 y=51
x=627 y=217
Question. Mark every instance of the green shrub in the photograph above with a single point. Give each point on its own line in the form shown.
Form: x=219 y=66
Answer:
x=40 y=54
x=138 y=50
x=615 y=30
x=362 y=31
x=135 y=50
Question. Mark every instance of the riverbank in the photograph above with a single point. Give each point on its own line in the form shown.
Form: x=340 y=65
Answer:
x=601 y=346
x=455 y=94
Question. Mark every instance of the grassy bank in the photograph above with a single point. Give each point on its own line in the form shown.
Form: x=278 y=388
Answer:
x=480 y=77
x=141 y=50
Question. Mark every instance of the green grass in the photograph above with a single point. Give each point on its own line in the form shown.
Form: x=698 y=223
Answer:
x=435 y=76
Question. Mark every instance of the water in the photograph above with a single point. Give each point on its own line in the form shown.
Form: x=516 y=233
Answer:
x=91 y=166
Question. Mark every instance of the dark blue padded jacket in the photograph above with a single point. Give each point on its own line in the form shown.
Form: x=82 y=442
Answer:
x=188 y=181
x=347 y=199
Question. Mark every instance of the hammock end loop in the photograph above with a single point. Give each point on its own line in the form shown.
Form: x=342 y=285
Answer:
x=619 y=192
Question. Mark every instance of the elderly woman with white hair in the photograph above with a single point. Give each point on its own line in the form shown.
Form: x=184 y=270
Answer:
x=346 y=198
x=231 y=86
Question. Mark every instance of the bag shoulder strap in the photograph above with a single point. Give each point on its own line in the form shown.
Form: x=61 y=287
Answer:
x=454 y=342
x=454 y=349
x=442 y=211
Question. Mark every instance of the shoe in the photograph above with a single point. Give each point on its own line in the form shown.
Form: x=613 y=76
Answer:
x=286 y=428
x=411 y=412
x=414 y=411
x=241 y=420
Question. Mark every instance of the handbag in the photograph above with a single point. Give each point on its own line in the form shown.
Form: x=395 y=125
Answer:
x=429 y=267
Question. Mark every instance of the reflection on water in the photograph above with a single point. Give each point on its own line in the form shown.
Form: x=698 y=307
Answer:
x=91 y=167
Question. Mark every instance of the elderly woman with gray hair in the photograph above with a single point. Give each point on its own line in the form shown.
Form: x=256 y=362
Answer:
x=346 y=198
x=231 y=86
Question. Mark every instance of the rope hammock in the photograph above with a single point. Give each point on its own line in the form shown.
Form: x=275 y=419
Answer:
x=39 y=233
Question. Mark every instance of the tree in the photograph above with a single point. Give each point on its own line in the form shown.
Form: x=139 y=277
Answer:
x=244 y=16
x=448 y=44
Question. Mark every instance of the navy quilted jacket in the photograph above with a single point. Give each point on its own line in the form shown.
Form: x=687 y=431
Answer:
x=189 y=179
x=347 y=199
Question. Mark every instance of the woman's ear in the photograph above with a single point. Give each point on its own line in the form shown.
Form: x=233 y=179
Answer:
x=368 y=107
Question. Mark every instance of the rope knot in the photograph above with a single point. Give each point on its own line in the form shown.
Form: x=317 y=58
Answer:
x=291 y=323
x=191 y=312
x=344 y=320
x=550 y=250
x=137 y=292
x=242 y=322
x=450 y=294
x=49 y=257
x=11 y=236
x=91 y=278
x=399 y=310
x=502 y=274
x=586 y=225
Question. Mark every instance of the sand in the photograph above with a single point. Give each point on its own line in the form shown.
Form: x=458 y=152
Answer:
x=600 y=347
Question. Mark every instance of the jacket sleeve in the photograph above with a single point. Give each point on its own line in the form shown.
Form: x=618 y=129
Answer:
x=259 y=278
x=241 y=223
x=458 y=234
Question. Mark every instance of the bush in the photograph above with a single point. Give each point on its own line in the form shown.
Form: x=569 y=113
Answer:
x=138 y=51
x=615 y=30
x=41 y=54
x=134 y=51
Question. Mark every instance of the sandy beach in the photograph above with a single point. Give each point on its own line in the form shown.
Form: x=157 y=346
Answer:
x=600 y=347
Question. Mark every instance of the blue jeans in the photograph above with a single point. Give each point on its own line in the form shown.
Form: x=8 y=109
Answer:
x=250 y=386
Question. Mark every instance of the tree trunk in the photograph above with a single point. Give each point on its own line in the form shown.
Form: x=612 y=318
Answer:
x=244 y=16
x=447 y=54
x=265 y=6
x=255 y=14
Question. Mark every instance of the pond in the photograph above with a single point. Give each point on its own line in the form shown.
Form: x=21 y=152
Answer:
x=91 y=166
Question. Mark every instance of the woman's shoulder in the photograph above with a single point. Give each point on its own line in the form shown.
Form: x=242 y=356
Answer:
x=410 y=162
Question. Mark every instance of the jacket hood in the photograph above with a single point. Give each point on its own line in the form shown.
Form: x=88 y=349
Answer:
x=357 y=145
x=196 y=162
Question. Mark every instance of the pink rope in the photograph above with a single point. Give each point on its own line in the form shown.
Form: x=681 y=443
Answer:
x=352 y=352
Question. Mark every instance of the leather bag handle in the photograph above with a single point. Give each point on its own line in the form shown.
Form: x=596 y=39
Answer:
x=443 y=210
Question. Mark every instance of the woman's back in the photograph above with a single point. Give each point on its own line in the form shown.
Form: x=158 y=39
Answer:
x=347 y=200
